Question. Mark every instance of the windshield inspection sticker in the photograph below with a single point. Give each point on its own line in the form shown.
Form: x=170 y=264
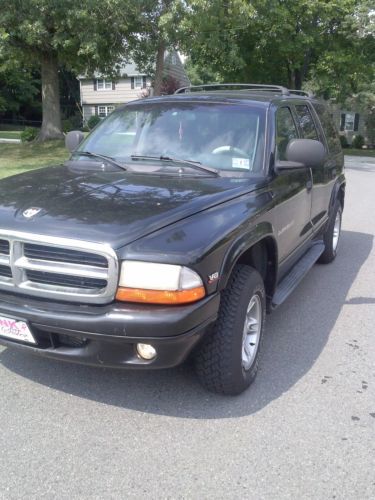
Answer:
x=241 y=163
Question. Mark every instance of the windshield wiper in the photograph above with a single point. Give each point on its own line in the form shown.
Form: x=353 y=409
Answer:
x=193 y=164
x=102 y=157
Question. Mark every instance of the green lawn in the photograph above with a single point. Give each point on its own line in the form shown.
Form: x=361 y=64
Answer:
x=17 y=158
x=359 y=152
x=10 y=134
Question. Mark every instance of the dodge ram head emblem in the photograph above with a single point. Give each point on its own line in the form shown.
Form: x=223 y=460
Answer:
x=31 y=212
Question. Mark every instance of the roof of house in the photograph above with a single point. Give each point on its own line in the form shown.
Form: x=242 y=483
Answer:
x=129 y=68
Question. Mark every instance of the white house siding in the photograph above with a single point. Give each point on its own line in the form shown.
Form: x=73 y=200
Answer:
x=87 y=111
x=121 y=94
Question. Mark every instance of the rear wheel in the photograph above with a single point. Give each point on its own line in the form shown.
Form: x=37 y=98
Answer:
x=227 y=361
x=332 y=235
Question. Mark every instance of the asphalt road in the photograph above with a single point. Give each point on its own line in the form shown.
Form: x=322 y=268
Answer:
x=306 y=428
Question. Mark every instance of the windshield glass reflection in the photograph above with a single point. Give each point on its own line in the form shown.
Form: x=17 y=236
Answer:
x=223 y=136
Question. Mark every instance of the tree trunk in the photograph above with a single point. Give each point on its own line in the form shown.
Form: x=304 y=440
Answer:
x=297 y=79
x=51 y=124
x=289 y=73
x=159 y=68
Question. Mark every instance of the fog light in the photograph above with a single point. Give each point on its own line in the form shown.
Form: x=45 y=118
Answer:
x=146 y=351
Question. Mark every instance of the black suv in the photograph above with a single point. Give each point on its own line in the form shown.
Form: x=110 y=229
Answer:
x=171 y=230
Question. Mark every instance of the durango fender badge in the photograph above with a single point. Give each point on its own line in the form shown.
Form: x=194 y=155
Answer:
x=31 y=212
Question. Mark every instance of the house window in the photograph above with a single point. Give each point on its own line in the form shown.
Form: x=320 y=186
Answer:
x=104 y=84
x=349 y=121
x=104 y=111
x=138 y=82
x=174 y=59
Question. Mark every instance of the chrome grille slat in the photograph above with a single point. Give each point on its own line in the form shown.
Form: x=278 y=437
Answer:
x=4 y=260
x=59 y=268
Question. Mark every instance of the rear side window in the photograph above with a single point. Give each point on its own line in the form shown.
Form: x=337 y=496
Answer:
x=306 y=123
x=329 y=128
x=285 y=131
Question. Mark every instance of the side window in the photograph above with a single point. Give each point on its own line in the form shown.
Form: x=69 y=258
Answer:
x=285 y=131
x=329 y=128
x=306 y=122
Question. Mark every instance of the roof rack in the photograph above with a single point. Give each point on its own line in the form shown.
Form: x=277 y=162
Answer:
x=301 y=92
x=241 y=86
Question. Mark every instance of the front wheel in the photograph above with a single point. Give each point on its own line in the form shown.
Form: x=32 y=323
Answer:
x=227 y=361
x=332 y=235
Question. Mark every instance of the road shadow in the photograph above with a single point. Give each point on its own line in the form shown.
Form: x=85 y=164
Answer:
x=296 y=334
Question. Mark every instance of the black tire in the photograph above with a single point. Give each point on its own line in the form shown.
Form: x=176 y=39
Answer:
x=219 y=360
x=330 y=250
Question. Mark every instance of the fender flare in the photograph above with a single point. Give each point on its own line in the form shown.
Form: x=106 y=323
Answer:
x=337 y=188
x=241 y=245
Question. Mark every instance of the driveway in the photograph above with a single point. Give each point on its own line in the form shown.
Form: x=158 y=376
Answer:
x=306 y=429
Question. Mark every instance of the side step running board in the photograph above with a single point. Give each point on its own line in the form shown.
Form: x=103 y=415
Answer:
x=296 y=274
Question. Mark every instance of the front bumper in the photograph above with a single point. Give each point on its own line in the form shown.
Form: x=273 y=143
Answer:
x=107 y=335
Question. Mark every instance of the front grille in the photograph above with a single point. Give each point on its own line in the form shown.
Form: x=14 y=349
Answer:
x=57 y=268
x=5 y=272
x=64 y=255
x=4 y=247
x=66 y=281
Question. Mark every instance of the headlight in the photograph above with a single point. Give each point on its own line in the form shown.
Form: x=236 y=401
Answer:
x=158 y=283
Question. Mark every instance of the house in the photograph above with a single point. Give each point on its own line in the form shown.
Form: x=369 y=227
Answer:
x=350 y=124
x=100 y=95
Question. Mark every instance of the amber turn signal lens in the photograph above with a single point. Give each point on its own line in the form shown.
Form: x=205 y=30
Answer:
x=160 y=296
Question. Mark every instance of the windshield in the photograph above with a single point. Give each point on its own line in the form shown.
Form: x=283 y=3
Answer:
x=222 y=136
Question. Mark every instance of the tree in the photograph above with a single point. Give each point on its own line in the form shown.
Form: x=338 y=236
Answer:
x=81 y=36
x=319 y=44
x=155 y=35
x=209 y=31
x=19 y=86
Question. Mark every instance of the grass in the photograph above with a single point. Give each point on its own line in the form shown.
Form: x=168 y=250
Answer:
x=18 y=158
x=359 y=152
x=10 y=134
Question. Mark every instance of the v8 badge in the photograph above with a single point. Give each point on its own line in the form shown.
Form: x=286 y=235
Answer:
x=213 y=277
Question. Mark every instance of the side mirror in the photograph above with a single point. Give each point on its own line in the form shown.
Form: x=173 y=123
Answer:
x=73 y=139
x=308 y=152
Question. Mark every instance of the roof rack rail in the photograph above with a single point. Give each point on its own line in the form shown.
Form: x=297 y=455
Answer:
x=241 y=86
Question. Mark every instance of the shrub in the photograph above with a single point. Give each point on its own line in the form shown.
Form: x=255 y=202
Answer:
x=74 y=122
x=67 y=125
x=93 y=121
x=344 y=141
x=358 y=142
x=29 y=134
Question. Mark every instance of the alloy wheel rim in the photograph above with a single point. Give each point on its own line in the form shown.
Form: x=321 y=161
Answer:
x=336 y=231
x=251 y=331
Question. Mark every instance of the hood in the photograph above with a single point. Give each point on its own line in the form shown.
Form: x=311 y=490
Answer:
x=111 y=206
